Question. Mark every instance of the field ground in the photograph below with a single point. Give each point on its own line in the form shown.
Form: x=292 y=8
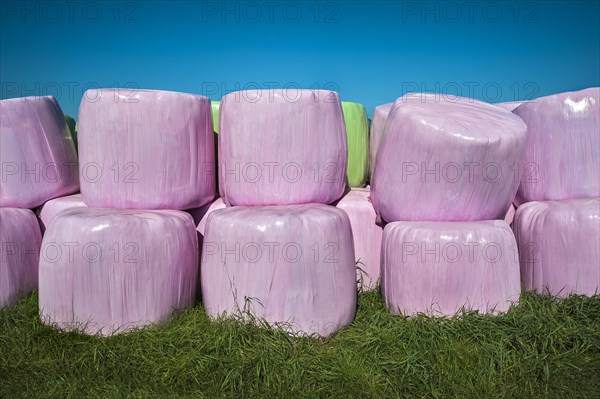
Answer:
x=541 y=348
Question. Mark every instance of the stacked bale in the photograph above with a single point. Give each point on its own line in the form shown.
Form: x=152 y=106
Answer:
x=292 y=266
x=441 y=267
x=107 y=271
x=144 y=156
x=357 y=131
x=20 y=240
x=150 y=150
x=562 y=154
x=276 y=253
x=281 y=147
x=442 y=175
x=380 y=116
x=558 y=224
x=39 y=162
x=367 y=236
x=447 y=161
x=559 y=246
x=214 y=106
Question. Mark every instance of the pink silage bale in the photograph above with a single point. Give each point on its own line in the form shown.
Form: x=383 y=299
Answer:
x=367 y=235
x=289 y=265
x=443 y=160
x=559 y=246
x=20 y=239
x=562 y=157
x=107 y=271
x=380 y=115
x=39 y=161
x=440 y=267
x=279 y=147
x=146 y=149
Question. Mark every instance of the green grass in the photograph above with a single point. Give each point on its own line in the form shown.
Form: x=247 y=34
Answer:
x=541 y=348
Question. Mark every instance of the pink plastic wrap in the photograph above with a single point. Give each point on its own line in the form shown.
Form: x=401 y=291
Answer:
x=290 y=265
x=106 y=271
x=146 y=149
x=20 y=240
x=439 y=267
x=510 y=215
x=39 y=161
x=559 y=246
x=380 y=115
x=562 y=157
x=201 y=216
x=442 y=160
x=511 y=105
x=51 y=208
x=367 y=235
x=280 y=147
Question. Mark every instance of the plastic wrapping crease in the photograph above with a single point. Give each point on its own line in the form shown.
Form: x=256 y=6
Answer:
x=559 y=246
x=357 y=131
x=50 y=209
x=562 y=157
x=106 y=271
x=380 y=115
x=39 y=161
x=20 y=240
x=279 y=147
x=442 y=160
x=367 y=235
x=146 y=149
x=439 y=267
x=292 y=265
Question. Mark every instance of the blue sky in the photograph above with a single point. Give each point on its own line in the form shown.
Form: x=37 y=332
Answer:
x=371 y=52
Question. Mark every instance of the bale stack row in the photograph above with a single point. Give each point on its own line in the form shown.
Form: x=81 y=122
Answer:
x=39 y=162
x=557 y=223
x=443 y=179
x=123 y=254
x=288 y=238
x=273 y=250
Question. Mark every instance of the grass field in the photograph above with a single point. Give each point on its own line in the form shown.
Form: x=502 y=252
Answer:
x=541 y=348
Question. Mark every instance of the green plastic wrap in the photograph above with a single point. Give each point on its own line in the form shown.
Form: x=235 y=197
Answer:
x=215 y=114
x=357 y=130
x=72 y=128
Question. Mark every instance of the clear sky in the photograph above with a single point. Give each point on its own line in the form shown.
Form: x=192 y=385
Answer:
x=371 y=52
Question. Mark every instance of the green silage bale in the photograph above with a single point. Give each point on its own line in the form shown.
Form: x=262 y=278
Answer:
x=357 y=131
